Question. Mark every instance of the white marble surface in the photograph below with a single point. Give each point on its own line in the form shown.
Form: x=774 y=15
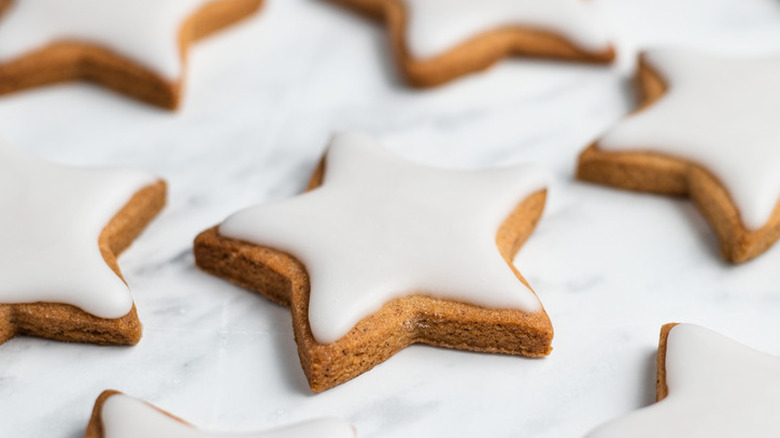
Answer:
x=610 y=266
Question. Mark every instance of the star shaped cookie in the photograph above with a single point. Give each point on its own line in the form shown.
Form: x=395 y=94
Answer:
x=381 y=253
x=707 y=128
x=435 y=41
x=135 y=47
x=117 y=415
x=61 y=230
x=708 y=386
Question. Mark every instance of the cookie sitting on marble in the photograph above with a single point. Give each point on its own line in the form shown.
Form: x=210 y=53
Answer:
x=117 y=415
x=436 y=41
x=708 y=386
x=135 y=47
x=61 y=230
x=707 y=128
x=381 y=253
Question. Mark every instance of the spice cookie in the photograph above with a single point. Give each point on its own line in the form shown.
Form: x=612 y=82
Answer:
x=136 y=47
x=382 y=253
x=61 y=230
x=435 y=41
x=708 y=386
x=117 y=415
x=707 y=128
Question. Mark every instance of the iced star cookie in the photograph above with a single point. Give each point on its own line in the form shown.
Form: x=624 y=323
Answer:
x=117 y=415
x=707 y=128
x=381 y=253
x=61 y=230
x=708 y=386
x=135 y=47
x=435 y=41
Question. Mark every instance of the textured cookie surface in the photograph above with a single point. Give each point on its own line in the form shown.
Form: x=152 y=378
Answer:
x=136 y=47
x=435 y=41
x=706 y=129
x=117 y=415
x=708 y=386
x=61 y=229
x=387 y=253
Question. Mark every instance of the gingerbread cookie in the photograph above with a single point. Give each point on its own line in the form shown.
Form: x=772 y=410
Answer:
x=136 y=47
x=117 y=415
x=707 y=128
x=708 y=386
x=435 y=41
x=382 y=253
x=61 y=230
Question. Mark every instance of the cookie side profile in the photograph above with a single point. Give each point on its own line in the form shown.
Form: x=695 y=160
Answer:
x=61 y=231
x=135 y=48
x=436 y=41
x=707 y=386
x=343 y=334
x=117 y=415
x=683 y=140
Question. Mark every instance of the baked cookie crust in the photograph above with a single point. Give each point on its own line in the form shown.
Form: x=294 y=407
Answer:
x=473 y=55
x=415 y=318
x=64 y=322
x=652 y=172
x=65 y=60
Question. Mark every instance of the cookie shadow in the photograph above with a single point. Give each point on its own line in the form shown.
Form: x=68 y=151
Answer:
x=76 y=433
x=628 y=86
x=382 y=54
x=708 y=241
x=283 y=342
x=389 y=68
x=649 y=378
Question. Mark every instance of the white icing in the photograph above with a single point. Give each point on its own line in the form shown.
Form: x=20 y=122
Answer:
x=127 y=417
x=50 y=219
x=718 y=388
x=381 y=227
x=435 y=26
x=143 y=31
x=720 y=113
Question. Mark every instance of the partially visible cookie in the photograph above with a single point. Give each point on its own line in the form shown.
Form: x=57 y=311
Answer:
x=135 y=47
x=436 y=41
x=117 y=415
x=382 y=253
x=61 y=230
x=708 y=386
x=706 y=128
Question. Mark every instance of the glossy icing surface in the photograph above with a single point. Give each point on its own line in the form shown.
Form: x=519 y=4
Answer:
x=435 y=26
x=51 y=217
x=127 y=417
x=144 y=31
x=381 y=227
x=718 y=388
x=720 y=113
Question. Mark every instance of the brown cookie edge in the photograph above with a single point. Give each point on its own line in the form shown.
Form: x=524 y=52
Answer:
x=95 y=425
x=283 y=279
x=644 y=171
x=66 y=60
x=475 y=54
x=67 y=323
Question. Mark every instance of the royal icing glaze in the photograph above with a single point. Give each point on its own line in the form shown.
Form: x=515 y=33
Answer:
x=717 y=387
x=127 y=417
x=381 y=227
x=720 y=113
x=143 y=31
x=51 y=217
x=435 y=26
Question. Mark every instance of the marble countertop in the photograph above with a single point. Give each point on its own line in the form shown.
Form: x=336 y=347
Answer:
x=262 y=98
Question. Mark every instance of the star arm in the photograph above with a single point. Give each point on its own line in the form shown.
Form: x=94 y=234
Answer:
x=663 y=419
x=119 y=416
